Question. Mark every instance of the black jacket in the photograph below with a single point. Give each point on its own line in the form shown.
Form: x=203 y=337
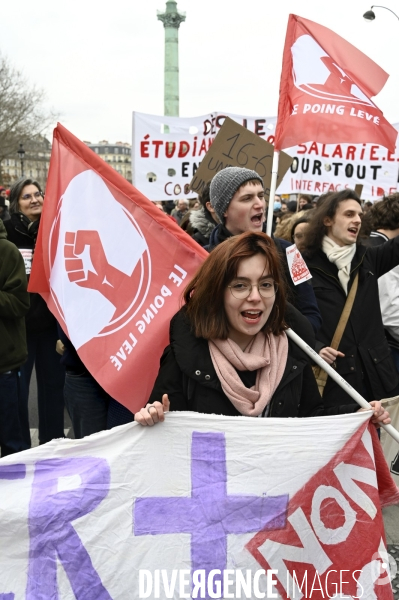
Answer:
x=188 y=377
x=23 y=233
x=367 y=364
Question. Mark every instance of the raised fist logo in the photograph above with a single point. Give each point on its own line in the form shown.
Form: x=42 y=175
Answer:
x=100 y=268
x=87 y=265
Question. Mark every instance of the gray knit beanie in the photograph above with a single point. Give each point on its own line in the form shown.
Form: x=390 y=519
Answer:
x=225 y=184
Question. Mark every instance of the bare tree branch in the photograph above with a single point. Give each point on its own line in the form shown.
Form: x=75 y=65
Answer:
x=22 y=112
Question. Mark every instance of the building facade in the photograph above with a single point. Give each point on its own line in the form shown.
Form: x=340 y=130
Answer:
x=118 y=156
x=35 y=163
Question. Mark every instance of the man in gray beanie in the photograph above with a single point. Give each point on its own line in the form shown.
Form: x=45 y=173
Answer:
x=238 y=198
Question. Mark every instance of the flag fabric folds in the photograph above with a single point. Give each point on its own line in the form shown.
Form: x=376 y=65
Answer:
x=325 y=91
x=111 y=267
x=265 y=506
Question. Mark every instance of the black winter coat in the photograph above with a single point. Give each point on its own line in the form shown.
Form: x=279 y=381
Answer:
x=367 y=364
x=188 y=376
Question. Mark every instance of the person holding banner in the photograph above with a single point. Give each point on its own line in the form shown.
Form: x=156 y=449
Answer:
x=231 y=356
x=345 y=276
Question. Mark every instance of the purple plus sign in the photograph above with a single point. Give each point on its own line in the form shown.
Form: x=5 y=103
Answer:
x=209 y=515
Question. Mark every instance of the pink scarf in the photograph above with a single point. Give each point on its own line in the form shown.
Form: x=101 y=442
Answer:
x=266 y=354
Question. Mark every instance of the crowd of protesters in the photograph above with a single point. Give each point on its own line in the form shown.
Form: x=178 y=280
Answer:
x=351 y=262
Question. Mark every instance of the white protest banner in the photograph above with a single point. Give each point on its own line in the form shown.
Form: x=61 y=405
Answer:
x=320 y=168
x=199 y=506
x=163 y=164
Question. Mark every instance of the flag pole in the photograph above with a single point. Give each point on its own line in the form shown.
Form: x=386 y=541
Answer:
x=273 y=185
x=338 y=379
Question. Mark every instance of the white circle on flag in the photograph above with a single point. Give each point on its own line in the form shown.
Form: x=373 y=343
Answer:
x=101 y=266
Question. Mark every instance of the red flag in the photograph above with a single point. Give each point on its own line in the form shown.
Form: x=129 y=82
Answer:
x=111 y=267
x=325 y=90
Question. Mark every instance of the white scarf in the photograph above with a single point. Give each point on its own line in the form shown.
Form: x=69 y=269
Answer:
x=342 y=257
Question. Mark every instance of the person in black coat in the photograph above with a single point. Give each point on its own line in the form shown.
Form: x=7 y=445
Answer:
x=26 y=204
x=228 y=351
x=334 y=259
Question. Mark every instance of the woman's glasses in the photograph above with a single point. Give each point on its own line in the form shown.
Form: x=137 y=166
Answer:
x=36 y=196
x=241 y=290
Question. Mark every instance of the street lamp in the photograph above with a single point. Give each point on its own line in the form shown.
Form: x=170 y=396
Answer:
x=21 y=154
x=370 y=15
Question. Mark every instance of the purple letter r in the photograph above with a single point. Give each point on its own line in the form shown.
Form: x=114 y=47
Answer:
x=52 y=535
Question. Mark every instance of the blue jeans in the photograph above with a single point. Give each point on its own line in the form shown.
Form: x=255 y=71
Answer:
x=50 y=376
x=11 y=439
x=87 y=404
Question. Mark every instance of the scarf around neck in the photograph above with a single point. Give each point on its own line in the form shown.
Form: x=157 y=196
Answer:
x=342 y=257
x=265 y=354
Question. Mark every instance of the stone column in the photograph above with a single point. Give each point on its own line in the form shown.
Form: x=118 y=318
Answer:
x=171 y=20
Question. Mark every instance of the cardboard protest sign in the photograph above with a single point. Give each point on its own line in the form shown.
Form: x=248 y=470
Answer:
x=235 y=146
x=179 y=510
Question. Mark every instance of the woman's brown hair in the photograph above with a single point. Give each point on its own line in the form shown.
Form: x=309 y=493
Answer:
x=204 y=295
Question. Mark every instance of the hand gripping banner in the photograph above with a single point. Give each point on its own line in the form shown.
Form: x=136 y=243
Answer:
x=111 y=267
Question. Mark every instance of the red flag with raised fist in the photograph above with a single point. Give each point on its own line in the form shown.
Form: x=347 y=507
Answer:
x=325 y=90
x=111 y=267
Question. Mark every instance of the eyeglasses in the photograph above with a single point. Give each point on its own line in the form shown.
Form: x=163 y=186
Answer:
x=36 y=196
x=241 y=290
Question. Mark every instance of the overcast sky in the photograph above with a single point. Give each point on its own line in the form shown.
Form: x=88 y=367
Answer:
x=98 y=61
